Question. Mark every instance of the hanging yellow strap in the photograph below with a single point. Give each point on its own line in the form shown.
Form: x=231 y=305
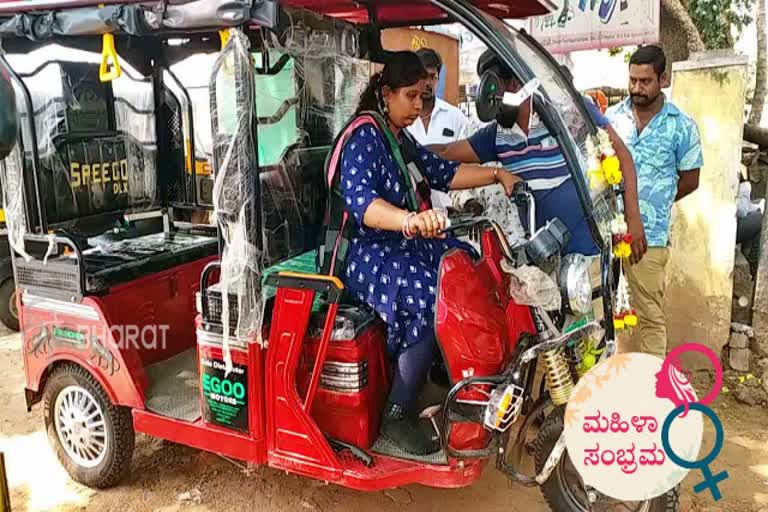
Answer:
x=109 y=53
x=224 y=36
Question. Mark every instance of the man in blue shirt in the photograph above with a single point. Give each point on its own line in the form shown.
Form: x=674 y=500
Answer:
x=666 y=148
x=521 y=142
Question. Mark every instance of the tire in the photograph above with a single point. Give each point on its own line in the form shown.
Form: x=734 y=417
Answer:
x=556 y=490
x=71 y=396
x=9 y=313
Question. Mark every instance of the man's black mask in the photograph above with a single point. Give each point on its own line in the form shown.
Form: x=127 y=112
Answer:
x=507 y=116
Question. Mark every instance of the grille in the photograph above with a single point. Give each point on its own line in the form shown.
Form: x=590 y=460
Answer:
x=212 y=311
x=174 y=124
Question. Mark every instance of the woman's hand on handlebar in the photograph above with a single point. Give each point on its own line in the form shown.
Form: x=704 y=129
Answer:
x=428 y=224
x=508 y=181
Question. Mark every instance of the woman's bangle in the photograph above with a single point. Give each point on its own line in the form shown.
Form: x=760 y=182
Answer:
x=404 y=226
x=496 y=174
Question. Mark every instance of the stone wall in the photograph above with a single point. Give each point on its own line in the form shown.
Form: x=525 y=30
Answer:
x=711 y=90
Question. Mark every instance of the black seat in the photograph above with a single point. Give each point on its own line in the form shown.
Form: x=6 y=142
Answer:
x=131 y=259
x=59 y=276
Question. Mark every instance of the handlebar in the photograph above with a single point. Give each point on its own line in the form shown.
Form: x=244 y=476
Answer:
x=522 y=196
x=466 y=222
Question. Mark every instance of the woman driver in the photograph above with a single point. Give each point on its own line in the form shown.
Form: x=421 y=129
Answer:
x=394 y=253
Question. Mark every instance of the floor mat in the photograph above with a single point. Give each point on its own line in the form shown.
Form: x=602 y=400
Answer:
x=431 y=394
x=174 y=387
x=383 y=446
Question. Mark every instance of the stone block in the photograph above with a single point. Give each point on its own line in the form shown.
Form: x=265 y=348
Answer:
x=738 y=359
x=739 y=340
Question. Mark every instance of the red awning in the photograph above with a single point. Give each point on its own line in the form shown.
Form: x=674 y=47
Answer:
x=399 y=12
x=387 y=12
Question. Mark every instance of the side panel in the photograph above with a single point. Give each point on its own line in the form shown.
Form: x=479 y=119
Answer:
x=47 y=331
x=477 y=325
x=136 y=324
x=350 y=416
x=471 y=320
x=294 y=441
x=201 y=436
x=155 y=315
x=253 y=359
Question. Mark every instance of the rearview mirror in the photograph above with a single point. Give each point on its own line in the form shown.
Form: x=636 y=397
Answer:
x=9 y=120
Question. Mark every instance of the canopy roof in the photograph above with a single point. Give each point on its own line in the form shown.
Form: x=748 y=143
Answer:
x=384 y=12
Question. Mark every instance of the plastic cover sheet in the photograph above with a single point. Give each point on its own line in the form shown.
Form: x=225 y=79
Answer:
x=140 y=19
x=232 y=103
x=48 y=104
x=307 y=85
x=531 y=286
x=301 y=108
x=135 y=116
x=84 y=168
x=494 y=203
x=13 y=200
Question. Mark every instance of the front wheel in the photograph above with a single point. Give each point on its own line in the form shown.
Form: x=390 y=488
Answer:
x=564 y=491
x=9 y=313
x=93 y=439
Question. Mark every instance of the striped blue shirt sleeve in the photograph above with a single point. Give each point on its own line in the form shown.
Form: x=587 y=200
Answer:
x=597 y=116
x=484 y=143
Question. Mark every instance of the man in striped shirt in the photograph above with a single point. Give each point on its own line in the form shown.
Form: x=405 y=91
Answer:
x=521 y=142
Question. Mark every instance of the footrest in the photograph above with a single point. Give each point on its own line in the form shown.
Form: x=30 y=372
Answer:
x=385 y=447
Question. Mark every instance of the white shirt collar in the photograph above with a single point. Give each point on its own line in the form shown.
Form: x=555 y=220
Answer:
x=439 y=105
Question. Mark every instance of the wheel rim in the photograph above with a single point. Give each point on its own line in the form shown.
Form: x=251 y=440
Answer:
x=570 y=485
x=12 y=306
x=80 y=426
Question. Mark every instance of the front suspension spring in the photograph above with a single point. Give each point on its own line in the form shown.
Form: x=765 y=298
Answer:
x=559 y=380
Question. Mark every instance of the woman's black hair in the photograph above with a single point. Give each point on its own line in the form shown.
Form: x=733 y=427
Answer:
x=402 y=69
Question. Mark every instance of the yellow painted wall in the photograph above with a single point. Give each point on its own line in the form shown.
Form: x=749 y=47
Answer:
x=699 y=274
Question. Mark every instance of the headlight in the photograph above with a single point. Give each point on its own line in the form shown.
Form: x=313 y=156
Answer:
x=575 y=284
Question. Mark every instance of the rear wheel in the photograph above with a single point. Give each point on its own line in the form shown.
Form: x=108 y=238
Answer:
x=9 y=312
x=564 y=491
x=92 y=438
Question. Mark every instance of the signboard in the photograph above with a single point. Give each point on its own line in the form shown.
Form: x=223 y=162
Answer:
x=225 y=399
x=593 y=24
x=398 y=39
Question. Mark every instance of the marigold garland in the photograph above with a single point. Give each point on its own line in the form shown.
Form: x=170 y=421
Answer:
x=605 y=169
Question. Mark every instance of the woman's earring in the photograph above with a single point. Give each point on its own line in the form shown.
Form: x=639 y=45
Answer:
x=386 y=107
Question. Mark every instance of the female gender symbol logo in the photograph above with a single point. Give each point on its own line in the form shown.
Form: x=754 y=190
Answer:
x=670 y=385
x=710 y=482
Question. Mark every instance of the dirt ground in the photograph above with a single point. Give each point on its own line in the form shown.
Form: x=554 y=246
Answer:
x=163 y=471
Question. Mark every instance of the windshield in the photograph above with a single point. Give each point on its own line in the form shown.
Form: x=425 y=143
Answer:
x=562 y=100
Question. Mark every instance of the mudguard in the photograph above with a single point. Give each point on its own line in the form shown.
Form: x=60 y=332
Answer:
x=477 y=325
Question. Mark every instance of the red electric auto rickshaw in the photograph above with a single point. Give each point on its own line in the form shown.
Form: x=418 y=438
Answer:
x=164 y=202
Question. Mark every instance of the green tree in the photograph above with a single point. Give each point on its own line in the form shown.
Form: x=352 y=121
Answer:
x=761 y=74
x=720 y=22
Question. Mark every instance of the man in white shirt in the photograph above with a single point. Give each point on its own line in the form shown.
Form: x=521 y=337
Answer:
x=439 y=122
x=749 y=222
